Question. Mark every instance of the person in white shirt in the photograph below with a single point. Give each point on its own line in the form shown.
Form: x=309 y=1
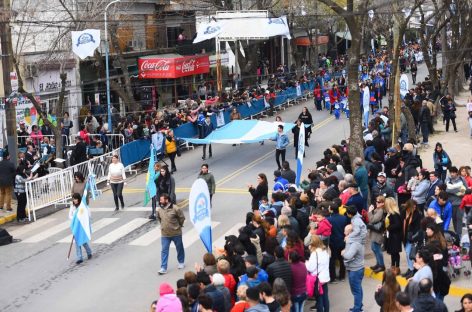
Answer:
x=76 y=200
x=318 y=265
x=116 y=178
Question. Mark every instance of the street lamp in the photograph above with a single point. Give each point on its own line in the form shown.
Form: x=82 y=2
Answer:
x=107 y=48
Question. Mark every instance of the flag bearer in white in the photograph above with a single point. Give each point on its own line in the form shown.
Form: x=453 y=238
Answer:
x=79 y=238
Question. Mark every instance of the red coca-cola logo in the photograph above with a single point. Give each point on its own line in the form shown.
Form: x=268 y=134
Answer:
x=160 y=65
x=189 y=65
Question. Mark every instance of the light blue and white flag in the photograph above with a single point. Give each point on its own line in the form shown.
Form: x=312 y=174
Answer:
x=403 y=85
x=243 y=131
x=200 y=211
x=92 y=183
x=208 y=31
x=80 y=224
x=85 y=42
x=301 y=151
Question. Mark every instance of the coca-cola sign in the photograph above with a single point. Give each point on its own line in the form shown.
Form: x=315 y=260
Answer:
x=162 y=67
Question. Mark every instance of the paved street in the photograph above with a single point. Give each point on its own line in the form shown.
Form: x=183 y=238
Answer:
x=122 y=276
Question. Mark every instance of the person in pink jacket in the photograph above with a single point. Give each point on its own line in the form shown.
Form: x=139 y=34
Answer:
x=36 y=135
x=168 y=301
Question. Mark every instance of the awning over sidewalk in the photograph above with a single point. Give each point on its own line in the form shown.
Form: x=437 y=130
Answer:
x=305 y=41
x=344 y=34
x=172 y=66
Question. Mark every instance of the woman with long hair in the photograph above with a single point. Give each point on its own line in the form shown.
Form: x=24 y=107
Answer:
x=318 y=265
x=206 y=175
x=258 y=192
x=294 y=243
x=76 y=200
x=393 y=227
x=385 y=293
x=306 y=118
x=411 y=226
x=442 y=162
x=464 y=171
x=165 y=184
x=20 y=192
x=117 y=178
x=299 y=273
x=466 y=303
x=172 y=148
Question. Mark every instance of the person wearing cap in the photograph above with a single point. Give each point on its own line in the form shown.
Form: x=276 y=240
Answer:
x=281 y=184
x=381 y=188
x=282 y=141
x=168 y=300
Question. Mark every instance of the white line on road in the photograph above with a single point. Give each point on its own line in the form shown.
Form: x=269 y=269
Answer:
x=148 y=238
x=192 y=236
x=30 y=227
x=96 y=226
x=121 y=231
x=220 y=242
x=131 y=209
x=48 y=233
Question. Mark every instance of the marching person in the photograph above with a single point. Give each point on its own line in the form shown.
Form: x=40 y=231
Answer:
x=282 y=141
x=206 y=175
x=76 y=200
x=155 y=198
x=172 y=149
x=116 y=178
x=172 y=220
x=165 y=184
x=207 y=130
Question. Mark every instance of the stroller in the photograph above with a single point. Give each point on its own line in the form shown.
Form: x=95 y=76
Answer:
x=455 y=265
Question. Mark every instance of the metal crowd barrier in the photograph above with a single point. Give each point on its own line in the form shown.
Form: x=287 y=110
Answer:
x=114 y=140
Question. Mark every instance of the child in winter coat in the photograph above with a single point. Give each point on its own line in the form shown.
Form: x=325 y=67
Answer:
x=320 y=226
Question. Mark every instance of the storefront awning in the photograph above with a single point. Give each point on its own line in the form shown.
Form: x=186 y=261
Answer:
x=305 y=41
x=172 y=66
x=344 y=34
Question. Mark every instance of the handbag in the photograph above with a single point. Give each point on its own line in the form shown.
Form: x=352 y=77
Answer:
x=314 y=287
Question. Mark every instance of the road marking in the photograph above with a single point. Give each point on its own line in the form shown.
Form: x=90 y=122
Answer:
x=220 y=242
x=190 y=237
x=121 y=231
x=48 y=233
x=148 y=238
x=96 y=226
x=30 y=227
x=130 y=209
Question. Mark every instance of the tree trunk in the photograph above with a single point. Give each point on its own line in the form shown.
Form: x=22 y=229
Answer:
x=410 y=122
x=356 y=140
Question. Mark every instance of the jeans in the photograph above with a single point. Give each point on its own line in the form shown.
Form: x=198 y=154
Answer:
x=366 y=118
x=117 y=189
x=298 y=302
x=377 y=249
x=78 y=250
x=355 y=283
x=165 y=242
x=172 y=160
x=457 y=217
x=425 y=131
x=336 y=255
x=439 y=297
x=453 y=123
x=409 y=262
x=279 y=153
x=322 y=302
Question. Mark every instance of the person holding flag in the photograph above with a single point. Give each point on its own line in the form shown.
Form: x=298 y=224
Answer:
x=79 y=214
x=151 y=177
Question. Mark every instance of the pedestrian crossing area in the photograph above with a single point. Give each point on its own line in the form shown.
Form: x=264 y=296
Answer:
x=109 y=230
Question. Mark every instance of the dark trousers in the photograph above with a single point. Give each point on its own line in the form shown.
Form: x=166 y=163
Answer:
x=453 y=123
x=205 y=149
x=278 y=153
x=154 y=202
x=21 y=206
x=425 y=131
x=336 y=255
x=172 y=160
x=395 y=258
x=117 y=189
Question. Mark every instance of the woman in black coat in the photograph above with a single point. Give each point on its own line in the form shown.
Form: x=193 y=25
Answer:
x=261 y=190
x=306 y=118
x=411 y=224
x=393 y=226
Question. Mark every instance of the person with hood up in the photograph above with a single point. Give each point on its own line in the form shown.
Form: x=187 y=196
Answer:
x=168 y=300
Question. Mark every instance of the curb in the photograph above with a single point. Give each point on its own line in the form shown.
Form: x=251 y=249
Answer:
x=453 y=290
x=8 y=218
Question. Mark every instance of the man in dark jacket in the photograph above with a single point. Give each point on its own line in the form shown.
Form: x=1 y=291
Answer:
x=210 y=290
x=280 y=268
x=336 y=241
x=381 y=188
x=79 y=154
x=287 y=173
x=356 y=198
x=425 y=302
x=7 y=178
x=435 y=181
x=425 y=121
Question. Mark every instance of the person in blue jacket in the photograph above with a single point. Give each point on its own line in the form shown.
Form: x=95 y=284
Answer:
x=282 y=141
x=281 y=184
x=443 y=207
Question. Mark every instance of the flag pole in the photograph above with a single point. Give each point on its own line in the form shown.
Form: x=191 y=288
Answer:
x=70 y=247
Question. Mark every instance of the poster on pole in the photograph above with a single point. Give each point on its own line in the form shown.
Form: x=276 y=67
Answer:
x=403 y=85
x=200 y=211
x=301 y=152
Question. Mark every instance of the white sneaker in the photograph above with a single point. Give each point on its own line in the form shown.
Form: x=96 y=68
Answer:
x=162 y=271
x=181 y=266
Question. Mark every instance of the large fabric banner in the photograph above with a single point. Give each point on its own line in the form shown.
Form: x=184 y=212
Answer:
x=85 y=42
x=208 y=31
x=403 y=85
x=301 y=152
x=242 y=131
x=200 y=211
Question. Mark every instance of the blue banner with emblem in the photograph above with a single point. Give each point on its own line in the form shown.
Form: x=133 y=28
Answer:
x=200 y=211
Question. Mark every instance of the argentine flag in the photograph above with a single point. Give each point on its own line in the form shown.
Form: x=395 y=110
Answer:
x=151 y=189
x=80 y=224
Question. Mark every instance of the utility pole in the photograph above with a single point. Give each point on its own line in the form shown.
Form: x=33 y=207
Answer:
x=10 y=111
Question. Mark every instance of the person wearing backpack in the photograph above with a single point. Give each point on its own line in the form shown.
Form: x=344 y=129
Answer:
x=281 y=184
